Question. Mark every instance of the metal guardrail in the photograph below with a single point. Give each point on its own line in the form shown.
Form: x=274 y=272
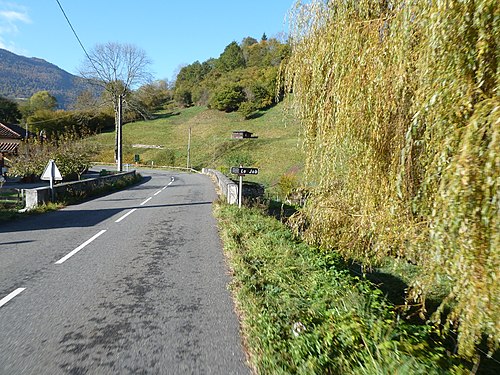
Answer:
x=149 y=166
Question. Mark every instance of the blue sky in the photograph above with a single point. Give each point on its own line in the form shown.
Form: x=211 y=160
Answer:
x=173 y=33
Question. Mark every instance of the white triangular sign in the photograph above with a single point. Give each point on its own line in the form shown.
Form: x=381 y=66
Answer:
x=51 y=172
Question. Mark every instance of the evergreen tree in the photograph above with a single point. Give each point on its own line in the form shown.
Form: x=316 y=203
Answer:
x=9 y=112
x=232 y=58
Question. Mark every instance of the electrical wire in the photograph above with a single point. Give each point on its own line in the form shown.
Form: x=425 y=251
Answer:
x=77 y=38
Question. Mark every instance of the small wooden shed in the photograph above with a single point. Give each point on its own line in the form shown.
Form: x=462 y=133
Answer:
x=242 y=134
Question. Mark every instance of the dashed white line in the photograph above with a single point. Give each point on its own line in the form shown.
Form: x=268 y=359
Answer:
x=170 y=183
x=7 y=298
x=124 y=216
x=146 y=201
x=158 y=192
x=69 y=255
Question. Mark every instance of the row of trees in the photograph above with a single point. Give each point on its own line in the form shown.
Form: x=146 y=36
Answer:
x=243 y=78
x=89 y=114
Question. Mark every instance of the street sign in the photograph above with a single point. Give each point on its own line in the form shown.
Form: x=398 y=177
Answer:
x=51 y=172
x=244 y=170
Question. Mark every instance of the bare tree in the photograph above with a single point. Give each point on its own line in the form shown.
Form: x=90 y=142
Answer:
x=117 y=68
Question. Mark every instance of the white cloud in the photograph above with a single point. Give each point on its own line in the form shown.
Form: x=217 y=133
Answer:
x=11 y=16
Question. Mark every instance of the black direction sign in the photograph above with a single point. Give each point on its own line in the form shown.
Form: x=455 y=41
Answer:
x=244 y=170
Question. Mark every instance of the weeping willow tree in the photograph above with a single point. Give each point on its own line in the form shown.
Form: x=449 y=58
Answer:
x=400 y=107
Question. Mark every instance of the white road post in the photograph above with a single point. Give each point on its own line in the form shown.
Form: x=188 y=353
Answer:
x=51 y=179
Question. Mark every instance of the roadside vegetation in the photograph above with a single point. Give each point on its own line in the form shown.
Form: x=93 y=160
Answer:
x=387 y=139
x=400 y=111
x=304 y=311
x=11 y=210
x=72 y=155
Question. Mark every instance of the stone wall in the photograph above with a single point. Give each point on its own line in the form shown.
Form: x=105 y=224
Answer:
x=226 y=187
x=229 y=188
x=38 y=196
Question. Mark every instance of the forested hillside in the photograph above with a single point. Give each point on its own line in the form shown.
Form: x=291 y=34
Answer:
x=243 y=78
x=21 y=77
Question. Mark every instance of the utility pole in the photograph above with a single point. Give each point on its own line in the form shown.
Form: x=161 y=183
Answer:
x=189 y=150
x=119 y=153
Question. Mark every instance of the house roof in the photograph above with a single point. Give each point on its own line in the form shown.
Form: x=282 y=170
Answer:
x=8 y=147
x=11 y=131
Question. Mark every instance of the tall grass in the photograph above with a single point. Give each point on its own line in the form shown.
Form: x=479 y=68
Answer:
x=400 y=108
x=303 y=312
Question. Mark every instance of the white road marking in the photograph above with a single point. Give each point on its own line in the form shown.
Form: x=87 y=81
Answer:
x=69 y=255
x=124 y=216
x=158 y=192
x=170 y=183
x=6 y=299
x=146 y=201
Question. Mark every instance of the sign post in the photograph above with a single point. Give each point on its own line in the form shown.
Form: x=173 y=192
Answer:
x=240 y=191
x=51 y=173
x=242 y=171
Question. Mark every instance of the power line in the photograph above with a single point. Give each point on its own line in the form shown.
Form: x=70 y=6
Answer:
x=77 y=38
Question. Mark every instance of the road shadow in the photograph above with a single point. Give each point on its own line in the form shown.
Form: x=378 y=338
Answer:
x=15 y=242
x=75 y=218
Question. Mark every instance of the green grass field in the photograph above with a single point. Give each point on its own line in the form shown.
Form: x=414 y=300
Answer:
x=276 y=151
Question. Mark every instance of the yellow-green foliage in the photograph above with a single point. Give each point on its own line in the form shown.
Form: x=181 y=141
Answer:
x=400 y=107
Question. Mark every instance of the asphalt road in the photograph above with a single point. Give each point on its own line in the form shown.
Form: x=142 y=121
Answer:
x=130 y=283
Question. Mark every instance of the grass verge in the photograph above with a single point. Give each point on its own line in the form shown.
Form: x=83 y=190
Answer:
x=303 y=312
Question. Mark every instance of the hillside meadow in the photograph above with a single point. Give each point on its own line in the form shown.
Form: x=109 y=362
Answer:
x=276 y=151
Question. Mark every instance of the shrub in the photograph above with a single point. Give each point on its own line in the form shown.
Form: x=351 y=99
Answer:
x=228 y=97
x=71 y=155
x=247 y=109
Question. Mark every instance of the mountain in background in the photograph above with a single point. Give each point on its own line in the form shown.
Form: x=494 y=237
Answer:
x=21 y=77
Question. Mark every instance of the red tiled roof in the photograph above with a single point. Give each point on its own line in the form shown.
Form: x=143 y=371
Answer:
x=7 y=132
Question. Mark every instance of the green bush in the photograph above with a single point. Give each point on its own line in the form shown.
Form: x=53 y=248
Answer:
x=228 y=97
x=247 y=109
x=71 y=155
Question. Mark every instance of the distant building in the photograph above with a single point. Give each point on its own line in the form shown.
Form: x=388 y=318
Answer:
x=241 y=134
x=10 y=137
